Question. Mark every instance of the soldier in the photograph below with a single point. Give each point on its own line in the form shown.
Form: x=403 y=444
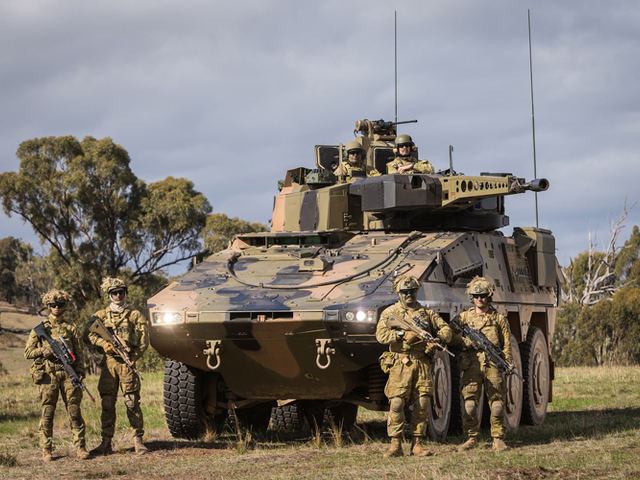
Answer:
x=47 y=371
x=355 y=163
x=475 y=368
x=408 y=363
x=404 y=162
x=133 y=328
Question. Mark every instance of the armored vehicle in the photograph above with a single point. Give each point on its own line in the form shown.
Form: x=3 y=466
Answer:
x=281 y=325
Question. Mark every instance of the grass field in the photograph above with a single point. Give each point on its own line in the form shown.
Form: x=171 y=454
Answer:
x=592 y=431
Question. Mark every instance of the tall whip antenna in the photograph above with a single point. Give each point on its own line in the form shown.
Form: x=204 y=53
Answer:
x=396 y=60
x=533 y=119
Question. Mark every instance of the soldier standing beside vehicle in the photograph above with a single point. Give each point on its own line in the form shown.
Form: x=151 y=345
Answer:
x=475 y=368
x=404 y=162
x=48 y=372
x=133 y=328
x=355 y=163
x=408 y=363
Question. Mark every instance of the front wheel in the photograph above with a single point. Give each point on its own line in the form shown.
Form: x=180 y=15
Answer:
x=535 y=364
x=513 y=400
x=441 y=401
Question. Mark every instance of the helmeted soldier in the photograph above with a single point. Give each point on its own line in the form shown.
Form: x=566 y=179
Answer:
x=132 y=327
x=477 y=370
x=355 y=162
x=47 y=372
x=408 y=363
x=404 y=162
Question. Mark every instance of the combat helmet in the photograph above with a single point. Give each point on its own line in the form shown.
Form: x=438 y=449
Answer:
x=353 y=145
x=480 y=286
x=56 y=296
x=402 y=140
x=109 y=284
x=405 y=282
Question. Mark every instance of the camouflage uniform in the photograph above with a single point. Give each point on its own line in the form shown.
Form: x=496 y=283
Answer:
x=53 y=380
x=478 y=371
x=419 y=166
x=348 y=167
x=133 y=328
x=408 y=366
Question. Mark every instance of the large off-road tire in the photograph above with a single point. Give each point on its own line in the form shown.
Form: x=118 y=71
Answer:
x=440 y=404
x=183 y=401
x=288 y=417
x=457 y=405
x=513 y=399
x=535 y=365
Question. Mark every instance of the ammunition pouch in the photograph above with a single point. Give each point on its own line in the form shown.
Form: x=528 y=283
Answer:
x=387 y=359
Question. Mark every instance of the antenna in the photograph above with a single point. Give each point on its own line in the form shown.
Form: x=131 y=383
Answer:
x=533 y=119
x=396 y=59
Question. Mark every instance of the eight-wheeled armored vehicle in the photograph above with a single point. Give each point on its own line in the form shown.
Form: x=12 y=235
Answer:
x=281 y=325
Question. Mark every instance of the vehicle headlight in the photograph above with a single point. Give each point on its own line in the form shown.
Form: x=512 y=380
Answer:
x=166 y=318
x=360 y=316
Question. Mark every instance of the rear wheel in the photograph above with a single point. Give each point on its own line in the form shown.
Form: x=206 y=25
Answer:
x=535 y=364
x=183 y=401
x=288 y=417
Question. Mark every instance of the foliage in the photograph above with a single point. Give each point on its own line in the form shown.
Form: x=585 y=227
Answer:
x=220 y=230
x=97 y=217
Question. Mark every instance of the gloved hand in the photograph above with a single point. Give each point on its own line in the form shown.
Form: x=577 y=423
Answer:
x=468 y=343
x=109 y=349
x=47 y=353
x=431 y=348
x=411 y=337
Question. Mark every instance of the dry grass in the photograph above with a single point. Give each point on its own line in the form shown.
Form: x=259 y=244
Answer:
x=592 y=431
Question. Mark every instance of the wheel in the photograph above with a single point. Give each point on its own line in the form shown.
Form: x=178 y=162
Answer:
x=513 y=400
x=535 y=365
x=288 y=417
x=184 y=400
x=440 y=403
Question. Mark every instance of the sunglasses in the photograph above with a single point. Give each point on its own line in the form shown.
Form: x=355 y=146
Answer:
x=56 y=305
x=117 y=292
x=405 y=145
x=479 y=295
x=409 y=292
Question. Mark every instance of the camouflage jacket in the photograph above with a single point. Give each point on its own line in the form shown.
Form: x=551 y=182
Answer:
x=419 y=166
x=55 y=328
x=348 y=167
x=493 y=326
x=129 y=325
x=391 y=322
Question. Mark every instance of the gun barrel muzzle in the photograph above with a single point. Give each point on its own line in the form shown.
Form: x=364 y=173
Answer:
x=537 y=185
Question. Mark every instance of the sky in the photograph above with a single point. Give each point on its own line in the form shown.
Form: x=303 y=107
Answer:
x=233 y=94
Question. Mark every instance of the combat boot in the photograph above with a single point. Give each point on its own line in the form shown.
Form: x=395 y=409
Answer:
x=499 y=445
x=471 y=443
x=46 y=454
x=417 y=450
x=396 y=448
x=104 y=448
x=82 y=454
x=139 y=446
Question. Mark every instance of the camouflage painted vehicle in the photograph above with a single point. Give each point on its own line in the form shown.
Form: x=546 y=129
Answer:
x=284 y=321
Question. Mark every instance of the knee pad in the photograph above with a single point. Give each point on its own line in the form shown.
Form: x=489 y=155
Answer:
x=108 y=402
x=131 y=400
x=423 y=402
x=497 y=408
x=470 y=407
x=397 y=404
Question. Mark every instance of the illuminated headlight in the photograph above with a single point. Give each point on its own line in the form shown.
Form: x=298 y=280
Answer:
x=166 y=318
x=360 y=316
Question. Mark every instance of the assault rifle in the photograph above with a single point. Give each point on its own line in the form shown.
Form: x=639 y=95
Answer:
x=420 y=328
x=64 y=355
x=116 y=342
x=482 y=343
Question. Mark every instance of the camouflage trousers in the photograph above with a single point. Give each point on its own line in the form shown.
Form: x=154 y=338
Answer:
x=473 y=378
x=52 y=387
x=116 y=374
x=409 y=383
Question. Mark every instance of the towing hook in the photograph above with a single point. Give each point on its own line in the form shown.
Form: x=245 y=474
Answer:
x=324 y=349
x=214 y=347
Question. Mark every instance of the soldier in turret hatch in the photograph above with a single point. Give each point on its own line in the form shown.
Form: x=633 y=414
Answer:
x=404 y=162
x=355 y=162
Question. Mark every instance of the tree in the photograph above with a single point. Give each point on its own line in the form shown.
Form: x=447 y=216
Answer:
x=97 y=217
x=220 y=230
x=9 y=247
